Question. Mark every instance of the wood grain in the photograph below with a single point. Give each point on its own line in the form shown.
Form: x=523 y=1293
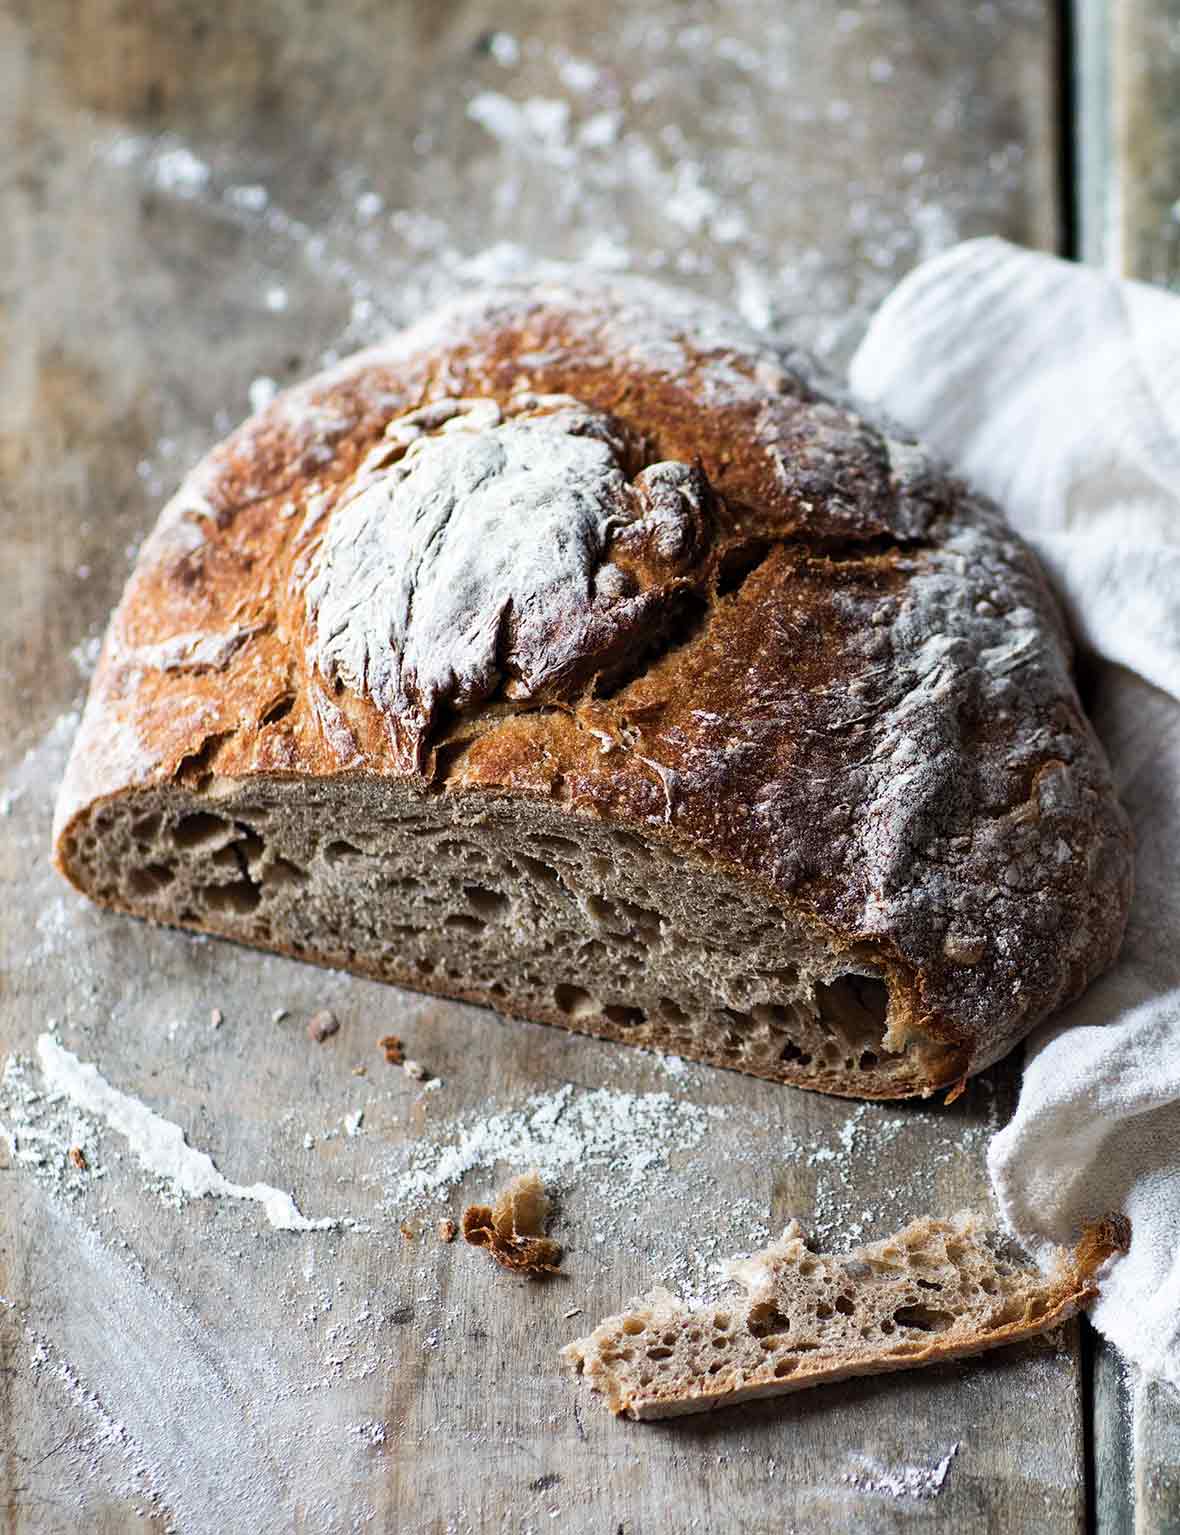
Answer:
x=187 y=1367
x=1128 y=85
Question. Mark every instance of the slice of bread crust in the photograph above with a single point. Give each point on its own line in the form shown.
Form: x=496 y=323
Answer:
x=939 y=1289
x=578 y=653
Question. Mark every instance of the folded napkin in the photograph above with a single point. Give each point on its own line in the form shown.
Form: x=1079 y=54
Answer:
x=1056 y=390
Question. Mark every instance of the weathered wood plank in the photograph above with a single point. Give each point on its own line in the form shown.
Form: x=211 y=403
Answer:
x=194 y=200
x=1129 y=137
x=1146 y=78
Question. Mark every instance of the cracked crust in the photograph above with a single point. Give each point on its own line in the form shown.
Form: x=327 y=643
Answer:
x=783 y=643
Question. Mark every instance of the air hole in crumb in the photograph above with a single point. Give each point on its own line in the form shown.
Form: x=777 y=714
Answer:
x=553 y=844
x=198 y=828
x=924 y=1318
x=785 y=1366
x=239 y=898
x=857 y=1004
x=543 y=873
x=765 y=1319
x=823 y=1311
x=574 y=1001
x=339 y=851
x=282 y=872
x=659 y=1352
x=602 y=911
x=463 y=923
x=490 y=904
x=671 y=1011
x=151 y=879
x=624 y=1017
x=792 y=1053
x=146 y=827
x=844 y=1305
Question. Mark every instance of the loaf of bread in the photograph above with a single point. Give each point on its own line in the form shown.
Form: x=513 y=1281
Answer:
x=937 y=1290
x=577 y=653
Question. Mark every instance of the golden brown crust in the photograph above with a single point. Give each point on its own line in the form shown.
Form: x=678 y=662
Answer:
x=860 y=698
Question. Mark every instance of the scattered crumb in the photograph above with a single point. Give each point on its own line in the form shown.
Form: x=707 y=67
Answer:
x=321 y=1026
x=407 y=1231
x=572 y=1312
x=278 y=1015
x=416 y=1070
x=216 y=1018
x=353 y=1122
x=447 y=1230
x=78 y=1158
x=394 y=1051
x=360 y=1069
x=512 y=1228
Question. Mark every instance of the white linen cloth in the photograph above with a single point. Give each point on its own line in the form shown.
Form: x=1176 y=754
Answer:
x=1056 y=390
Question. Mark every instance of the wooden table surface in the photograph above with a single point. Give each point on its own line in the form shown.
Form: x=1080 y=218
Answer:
x=200 y=203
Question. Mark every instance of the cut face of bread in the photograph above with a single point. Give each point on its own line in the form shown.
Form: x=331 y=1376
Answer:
x=575 y=654
x=607 y=931
x=940 y=1289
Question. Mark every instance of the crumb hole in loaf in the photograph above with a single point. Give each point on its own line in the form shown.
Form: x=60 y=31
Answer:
x=544 y=873
x=461 y=922
x=237 y=899
x=923 y=1318
x=339 y=851
x=489 y=904
x=624 y=1017
x=151 y=880
x=765 y=1320
x=575 y=1001
x=193 y=831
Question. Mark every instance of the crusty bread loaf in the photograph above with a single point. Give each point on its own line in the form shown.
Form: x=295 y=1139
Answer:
x=577 y=653
x=940 y=1289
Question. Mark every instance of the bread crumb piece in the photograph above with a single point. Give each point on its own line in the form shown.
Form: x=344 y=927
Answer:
x=360 y=1069
x=572 y=1312
x=416 y=1070
x=322 y=1025
x=216 y=1017
x=447 y=1230
x=954 y=1288
x=407 y=1231
x=511 y=1229
x=78 y=1158
x=394 y=1051
x=278 y=1015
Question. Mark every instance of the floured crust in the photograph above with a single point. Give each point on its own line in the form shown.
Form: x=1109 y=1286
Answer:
x=844 y=678
x=937 y=1290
